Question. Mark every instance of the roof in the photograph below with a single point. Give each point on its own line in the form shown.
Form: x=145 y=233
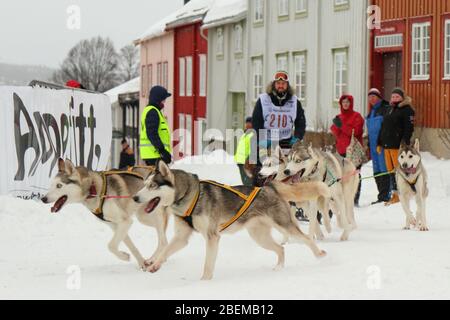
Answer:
x=224 y=12
x=193 y=11
x=156 y=30
x=127 y=87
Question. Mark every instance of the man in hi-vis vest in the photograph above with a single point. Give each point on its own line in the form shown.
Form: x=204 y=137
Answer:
x=279 y=116
x=155 y=140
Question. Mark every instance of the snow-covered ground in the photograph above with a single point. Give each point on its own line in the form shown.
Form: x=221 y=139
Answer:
x=40 y=251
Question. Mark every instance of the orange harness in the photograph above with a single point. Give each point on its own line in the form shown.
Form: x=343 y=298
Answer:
x=248 y=202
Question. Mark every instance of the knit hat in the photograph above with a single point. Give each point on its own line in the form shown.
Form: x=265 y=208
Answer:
x=399 y=91
x=375 y=92
x=248 y=120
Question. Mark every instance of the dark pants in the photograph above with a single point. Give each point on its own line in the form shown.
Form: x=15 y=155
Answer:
x=358 y=193
x=246 y=180
x=151 y=162
x=384 y=187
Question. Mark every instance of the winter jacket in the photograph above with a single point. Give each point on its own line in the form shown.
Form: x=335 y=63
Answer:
x=300 y=121
x=398 y=125
x=127 y=158
x=351 y=121
x=374 y=122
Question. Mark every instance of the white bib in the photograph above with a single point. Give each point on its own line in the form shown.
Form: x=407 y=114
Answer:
x=279 y=121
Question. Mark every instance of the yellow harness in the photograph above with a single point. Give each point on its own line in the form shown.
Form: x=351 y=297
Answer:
x=103 y=195
x=248 y=202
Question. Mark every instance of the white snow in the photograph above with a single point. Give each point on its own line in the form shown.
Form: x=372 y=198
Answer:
x=37 y=248
x=224 y=11
x=131 y=86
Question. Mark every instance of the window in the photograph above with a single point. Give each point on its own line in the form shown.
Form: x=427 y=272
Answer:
x=421 y=51
x=300 y=75
x=202 y=84
x=165 y=75
x=257 y=78
x=259 y=11
x=144 y=79
x=282 y=62
x=189 y=76
x=149 y=77
x=340 y=73
x=447 y=50
x=301 y=6
x=283 y=8
x=182 y=77
x=182 y=134
x=238 y=41
x=159 y=74
x=220 y=42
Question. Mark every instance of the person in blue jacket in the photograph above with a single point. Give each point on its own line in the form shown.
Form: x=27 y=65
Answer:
x=379 y=107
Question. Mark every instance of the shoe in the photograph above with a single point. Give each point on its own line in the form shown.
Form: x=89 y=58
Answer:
x=395 y=199
x=377 y=202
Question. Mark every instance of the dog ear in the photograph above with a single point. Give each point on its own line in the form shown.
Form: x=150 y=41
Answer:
x=417 y=145
x=70 y=168
x=280 y=155
x=165 y=171
x=61 y=165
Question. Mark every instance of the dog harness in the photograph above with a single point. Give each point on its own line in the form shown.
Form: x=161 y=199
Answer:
x=248 y=202
x=103 y=195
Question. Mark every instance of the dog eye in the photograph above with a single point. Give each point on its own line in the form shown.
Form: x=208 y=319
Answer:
x=298 y=161
x=59 y=186
x=410 y=157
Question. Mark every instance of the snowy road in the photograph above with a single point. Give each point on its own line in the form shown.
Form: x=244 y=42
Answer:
x=37 y=249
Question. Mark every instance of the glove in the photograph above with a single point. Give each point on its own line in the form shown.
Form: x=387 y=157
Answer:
x=379 y=149
x=265 y=144
x=337 y=122
x=294 y=140
x=165 y=156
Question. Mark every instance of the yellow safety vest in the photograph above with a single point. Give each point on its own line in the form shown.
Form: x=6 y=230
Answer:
x=149 y=151
x=244 y=148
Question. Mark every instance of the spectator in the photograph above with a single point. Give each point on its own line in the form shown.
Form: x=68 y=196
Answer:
x=127 y=158
x=244 y=151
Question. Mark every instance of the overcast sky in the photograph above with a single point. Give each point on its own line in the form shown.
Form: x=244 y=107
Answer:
x=36 y=32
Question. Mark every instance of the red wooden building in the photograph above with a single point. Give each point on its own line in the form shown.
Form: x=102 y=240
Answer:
x=412 y=50
x=190 y=55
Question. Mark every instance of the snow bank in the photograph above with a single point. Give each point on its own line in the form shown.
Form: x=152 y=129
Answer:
x=38 y=250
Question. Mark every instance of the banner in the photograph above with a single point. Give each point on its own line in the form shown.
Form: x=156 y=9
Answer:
x=38 y=126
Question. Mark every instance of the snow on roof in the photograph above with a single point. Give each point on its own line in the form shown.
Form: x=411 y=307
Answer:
x=193 y=10
x=225 y=11
x=127 y=87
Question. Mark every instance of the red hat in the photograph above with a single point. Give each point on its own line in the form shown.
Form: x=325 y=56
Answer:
x=73 y=84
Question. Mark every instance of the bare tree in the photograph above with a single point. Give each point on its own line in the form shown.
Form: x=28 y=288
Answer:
x=129 y=63
x=93 y=63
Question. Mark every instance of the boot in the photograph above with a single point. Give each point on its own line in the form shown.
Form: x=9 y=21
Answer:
x=395 y=199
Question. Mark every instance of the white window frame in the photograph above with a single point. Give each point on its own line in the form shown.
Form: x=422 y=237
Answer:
x=257 y=75
x=165 y=75
x=189 y=127
x=420 y=67
x=238 y=38
x=202 y=72
x=258 y=14
x=189 y=76
x=300 y=75
x=338 y=3
x=149 y=77
x=282 y=62
x=144 y=79
x=182 y=133
x=159 y=74
x=220 y=42
x=447 y=50
x=182 y=77
x=340 y=65
x=301 y=6
x=283 y=8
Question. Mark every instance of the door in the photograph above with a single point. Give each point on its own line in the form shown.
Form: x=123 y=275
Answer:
x=238 y=111
x=392 y=63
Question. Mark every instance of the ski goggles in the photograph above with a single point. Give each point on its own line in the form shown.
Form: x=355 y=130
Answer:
x=281 y=76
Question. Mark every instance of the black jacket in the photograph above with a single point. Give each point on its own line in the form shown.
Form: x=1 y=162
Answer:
x=300 y=121
x=127 y=159
x=398 y=125
x=383 y=109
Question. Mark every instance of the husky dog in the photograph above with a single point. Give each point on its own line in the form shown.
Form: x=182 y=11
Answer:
x=308 y=164
x=212 y=206
x=79 y=185
x=412 y=183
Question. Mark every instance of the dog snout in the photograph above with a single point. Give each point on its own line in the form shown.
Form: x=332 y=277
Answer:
x=287 y=172
x=405 y=166
x=44 y=200
x=136 y=199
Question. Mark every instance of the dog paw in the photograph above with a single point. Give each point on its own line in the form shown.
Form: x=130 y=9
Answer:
x=407 y=228
x=154 y=268
x=278 y=267
x=322 y=254
x=424 y=229
x=207 y=277
x=123 y=256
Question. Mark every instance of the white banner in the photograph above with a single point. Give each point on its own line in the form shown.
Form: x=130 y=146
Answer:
x=38 y=126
